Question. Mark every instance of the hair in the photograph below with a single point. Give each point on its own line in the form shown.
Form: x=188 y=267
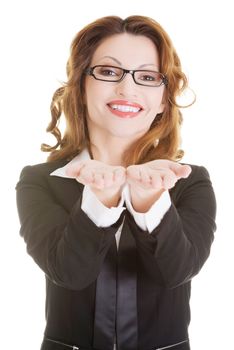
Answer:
x=70 y=98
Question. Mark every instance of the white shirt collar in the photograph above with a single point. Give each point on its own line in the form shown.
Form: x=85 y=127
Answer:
x=84 y=155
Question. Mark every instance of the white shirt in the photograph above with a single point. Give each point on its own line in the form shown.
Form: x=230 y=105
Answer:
x=104 y=217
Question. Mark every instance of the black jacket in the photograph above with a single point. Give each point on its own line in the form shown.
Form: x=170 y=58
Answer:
x=146 y=290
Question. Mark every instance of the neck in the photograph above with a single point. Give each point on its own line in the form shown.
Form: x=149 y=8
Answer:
x=103 y=154
x=109 y=151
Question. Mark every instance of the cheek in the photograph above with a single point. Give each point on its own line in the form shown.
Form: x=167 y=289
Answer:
x=90 y=98
x=89 y=92
x=155 y=102
x=95 y=103
x=96 y=94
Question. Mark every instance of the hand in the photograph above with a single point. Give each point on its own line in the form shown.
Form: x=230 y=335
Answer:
x=97 y=175
x=105 y=181
x=148 y=181
x=157 y=175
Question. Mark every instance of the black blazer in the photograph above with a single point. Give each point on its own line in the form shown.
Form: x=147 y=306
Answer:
x=141 y=293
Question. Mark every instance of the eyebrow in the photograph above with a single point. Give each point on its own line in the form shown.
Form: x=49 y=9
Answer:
x=118 y=62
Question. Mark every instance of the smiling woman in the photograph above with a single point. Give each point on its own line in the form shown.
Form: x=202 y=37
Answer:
x=118 y=225
x=71 y=97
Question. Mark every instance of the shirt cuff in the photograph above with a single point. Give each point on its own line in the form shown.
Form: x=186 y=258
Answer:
x=98 y=212
x=151 y=219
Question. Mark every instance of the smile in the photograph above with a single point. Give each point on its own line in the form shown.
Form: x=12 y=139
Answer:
x=124 y=109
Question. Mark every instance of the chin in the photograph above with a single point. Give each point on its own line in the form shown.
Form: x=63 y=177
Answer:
x=129 y=136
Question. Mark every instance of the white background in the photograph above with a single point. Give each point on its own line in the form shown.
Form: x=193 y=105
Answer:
x=35 y=40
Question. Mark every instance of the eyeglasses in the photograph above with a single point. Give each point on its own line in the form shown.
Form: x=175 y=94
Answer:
x=116 y=74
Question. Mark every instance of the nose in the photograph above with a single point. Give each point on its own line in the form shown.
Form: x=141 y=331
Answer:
x=127 y=86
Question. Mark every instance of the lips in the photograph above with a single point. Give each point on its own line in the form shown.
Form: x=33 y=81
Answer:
x=124 y=109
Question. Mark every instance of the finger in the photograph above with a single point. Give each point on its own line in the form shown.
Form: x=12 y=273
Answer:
x=181 y=170
x=169 y=179
x=185 y=171
x=98 y=180
x=119 y=175
x=156 y=180
x=108 y=178
x=145 y=176
x=86 y=175
x=73 y=170
x=132 y=172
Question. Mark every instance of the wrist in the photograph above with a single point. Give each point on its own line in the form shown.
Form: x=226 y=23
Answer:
x=108 y=197
x=142 y=200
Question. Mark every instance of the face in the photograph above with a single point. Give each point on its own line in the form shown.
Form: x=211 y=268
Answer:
x=123 y=109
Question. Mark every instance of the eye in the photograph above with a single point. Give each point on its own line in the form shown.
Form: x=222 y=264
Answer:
x=150 y=78
x=108 y=72
x=147 y=77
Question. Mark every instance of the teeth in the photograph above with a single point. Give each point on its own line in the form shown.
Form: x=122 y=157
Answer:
x=123 y=108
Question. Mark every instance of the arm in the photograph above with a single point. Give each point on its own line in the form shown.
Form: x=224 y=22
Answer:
x=180 y=245
x=67 y=246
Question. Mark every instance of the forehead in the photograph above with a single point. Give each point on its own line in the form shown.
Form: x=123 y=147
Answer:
x=129 y=49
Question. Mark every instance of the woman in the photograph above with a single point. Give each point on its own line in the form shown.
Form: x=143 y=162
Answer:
x=117 y=224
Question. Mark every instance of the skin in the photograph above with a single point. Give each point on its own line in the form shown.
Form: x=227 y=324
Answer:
x=106 y=173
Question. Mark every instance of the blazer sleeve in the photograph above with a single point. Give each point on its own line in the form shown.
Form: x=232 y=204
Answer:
x=176 y=250
x=67 y=246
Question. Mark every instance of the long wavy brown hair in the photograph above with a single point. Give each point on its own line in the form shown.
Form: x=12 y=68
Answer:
x=68 y=100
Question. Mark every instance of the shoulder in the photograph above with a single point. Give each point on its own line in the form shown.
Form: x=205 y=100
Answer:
x=38 y=174
x=37 y=185
x=44 y=169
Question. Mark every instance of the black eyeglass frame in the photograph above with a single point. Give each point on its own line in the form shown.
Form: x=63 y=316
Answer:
x=89 y=71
